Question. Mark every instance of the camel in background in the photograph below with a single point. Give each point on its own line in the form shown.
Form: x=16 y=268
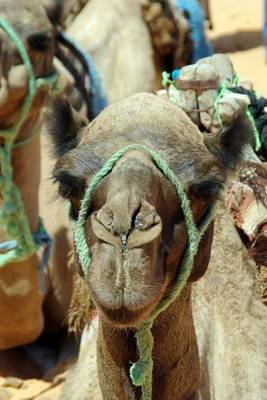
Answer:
x=20 y=280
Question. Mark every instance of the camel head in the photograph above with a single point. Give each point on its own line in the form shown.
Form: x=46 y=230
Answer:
x=29 y=19
x=135 y=226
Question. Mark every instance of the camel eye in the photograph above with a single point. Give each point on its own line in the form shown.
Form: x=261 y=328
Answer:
x=70 y=187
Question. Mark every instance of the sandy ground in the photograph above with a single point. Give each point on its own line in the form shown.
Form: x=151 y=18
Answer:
x=238 y=32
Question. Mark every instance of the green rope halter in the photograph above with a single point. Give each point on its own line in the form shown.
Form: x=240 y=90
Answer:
x=141 y=372
x=12 y=214
x=225 y=89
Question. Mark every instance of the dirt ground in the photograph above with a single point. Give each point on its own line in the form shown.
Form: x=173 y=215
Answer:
x=238 y=32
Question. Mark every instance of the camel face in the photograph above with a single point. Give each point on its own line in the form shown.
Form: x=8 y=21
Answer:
x=130 y=235
x=135 y=226
x=29 y=20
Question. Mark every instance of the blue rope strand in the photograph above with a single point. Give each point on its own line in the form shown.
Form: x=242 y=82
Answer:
x=99 y=98
x=201 y=45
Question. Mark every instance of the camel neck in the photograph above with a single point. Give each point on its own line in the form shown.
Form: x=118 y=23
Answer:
x=175 y=355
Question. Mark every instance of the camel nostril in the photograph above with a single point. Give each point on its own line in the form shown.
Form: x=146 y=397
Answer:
x=138 y=224
x=40 y=41
x=123 y=239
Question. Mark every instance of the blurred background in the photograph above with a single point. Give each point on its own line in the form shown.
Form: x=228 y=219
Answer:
x=237 y=30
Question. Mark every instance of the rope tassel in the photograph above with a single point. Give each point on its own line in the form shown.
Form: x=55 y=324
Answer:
x=141 y=371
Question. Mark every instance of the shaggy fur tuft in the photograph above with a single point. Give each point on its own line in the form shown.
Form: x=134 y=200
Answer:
x=81 y=308
x=228 y=146
x=63 y=125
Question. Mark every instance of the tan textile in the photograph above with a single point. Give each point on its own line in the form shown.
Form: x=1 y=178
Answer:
x=20 y=303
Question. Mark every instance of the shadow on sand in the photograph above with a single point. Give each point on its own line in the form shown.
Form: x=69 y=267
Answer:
x=238 y=41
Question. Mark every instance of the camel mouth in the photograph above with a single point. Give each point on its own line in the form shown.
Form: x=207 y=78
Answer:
x=125 y=314
x=124 y=318
x=127 y=310
x=131 y=300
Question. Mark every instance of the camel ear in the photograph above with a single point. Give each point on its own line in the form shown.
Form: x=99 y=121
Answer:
x=229 y=144
x=202 y=257
x=64 y=125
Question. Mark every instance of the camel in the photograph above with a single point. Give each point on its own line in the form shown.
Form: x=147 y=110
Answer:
x=20 y=280
x=136 y=234
x=118 y=38
x=154 y=33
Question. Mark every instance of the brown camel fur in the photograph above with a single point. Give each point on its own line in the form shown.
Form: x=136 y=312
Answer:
x=230 y=320
x=135 y=201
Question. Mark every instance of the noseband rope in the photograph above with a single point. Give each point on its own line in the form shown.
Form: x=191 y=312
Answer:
x=12 y=214
x=141 y=372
